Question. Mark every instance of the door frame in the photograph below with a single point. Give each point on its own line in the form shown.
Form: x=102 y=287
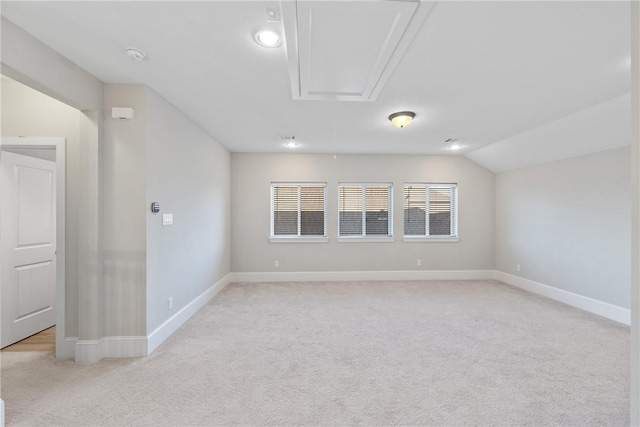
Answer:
x=59 y=145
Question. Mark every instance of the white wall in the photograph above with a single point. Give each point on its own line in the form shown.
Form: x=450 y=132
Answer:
x=27 y=112
x=568 y=225
x=159 y=156
x=188 y=173
x=112 y=200
x=124 y=198
x=251 y=175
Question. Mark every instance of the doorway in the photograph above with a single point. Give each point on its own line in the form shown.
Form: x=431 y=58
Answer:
x=41 y=151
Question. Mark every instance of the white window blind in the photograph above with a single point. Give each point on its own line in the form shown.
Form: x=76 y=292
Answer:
x=298 y=210
x=430 y=210
x=365 y=210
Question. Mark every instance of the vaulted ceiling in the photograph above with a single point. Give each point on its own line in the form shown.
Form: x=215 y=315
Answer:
x=503 y=77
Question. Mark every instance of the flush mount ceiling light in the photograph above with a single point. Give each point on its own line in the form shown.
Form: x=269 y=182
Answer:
x=134 y=53
x=267 y=38
x=402 y=118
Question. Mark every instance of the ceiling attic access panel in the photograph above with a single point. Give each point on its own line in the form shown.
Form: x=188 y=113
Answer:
x=347 y=50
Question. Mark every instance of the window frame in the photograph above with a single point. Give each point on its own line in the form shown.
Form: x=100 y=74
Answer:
x=371 y=238
x=451 y=238
x=297 y=238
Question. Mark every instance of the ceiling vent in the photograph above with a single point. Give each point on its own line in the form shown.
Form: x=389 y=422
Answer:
x=347 y=50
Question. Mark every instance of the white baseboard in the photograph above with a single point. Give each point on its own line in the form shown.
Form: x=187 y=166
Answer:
x=68 y=348
x=328 y=276
x=161 y=333
x=604 y=309
x=89 y=351
x=138 y=346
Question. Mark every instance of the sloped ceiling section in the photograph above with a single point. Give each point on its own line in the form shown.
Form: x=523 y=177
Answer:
x=347 y=51
x=602 y=127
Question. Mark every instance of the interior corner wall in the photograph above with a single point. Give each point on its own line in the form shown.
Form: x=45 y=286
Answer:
x=31 y=62
x=27 y=112
x=568 y=225
x=252 y=174
x=188 y=174
x=124 y=180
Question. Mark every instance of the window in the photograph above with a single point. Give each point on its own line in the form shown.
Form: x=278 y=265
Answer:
x=430 y=210
x=365 y=210
x=298 y=211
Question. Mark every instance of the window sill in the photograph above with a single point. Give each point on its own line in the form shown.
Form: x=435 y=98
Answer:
x=431 y=239
x=296 y=239
x=365 y=239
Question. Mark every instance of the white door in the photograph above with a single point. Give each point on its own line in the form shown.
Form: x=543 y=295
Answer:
x=28 y=246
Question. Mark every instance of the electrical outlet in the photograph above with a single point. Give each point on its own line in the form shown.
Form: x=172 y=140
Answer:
x=517 y=267
x=418 y=262
x=276 y=264
x=170 y=303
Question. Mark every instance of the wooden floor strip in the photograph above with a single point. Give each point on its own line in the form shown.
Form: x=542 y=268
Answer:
x=43 y=341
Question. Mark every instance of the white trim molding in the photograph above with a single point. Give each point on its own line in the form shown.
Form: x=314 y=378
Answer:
x=296 y=239
x=1 y=413
x=164 y=331
x=430 y=239
x=68 y=348
x=328 y=276
x=89 y=351
x=601 y=308
x=365 y=239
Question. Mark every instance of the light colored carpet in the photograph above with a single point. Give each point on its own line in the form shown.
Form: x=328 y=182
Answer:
x=356 y=353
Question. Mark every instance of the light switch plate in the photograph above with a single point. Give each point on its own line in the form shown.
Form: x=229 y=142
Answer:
x=167 y=219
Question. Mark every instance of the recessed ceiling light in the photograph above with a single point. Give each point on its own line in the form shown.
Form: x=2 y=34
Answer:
x=134 y=53
x=267 y=38
x=289 y=141
x=454 y=143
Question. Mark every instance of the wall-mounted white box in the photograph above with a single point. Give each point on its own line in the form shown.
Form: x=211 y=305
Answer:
x=167 y=219
x=122 y=113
